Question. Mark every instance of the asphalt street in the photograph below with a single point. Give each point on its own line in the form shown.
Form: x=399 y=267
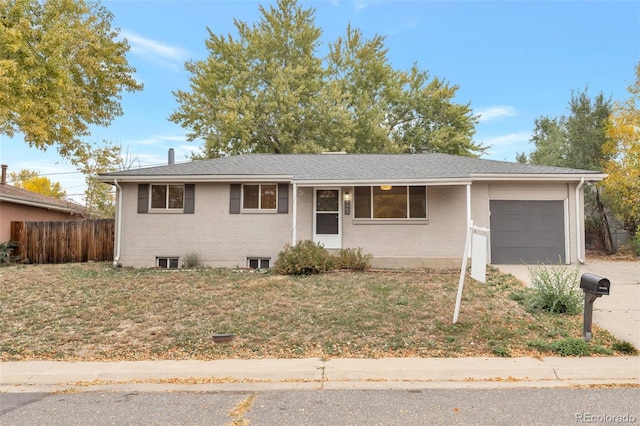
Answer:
x=532 y=406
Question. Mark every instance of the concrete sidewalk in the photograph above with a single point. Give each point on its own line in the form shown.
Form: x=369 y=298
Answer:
x=619 y=312
x=268 y=374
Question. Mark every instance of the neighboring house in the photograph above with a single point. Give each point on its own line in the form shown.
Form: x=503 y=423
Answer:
x=408 y=210
x=20 y=205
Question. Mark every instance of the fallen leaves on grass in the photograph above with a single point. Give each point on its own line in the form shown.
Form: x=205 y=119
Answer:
x=94 y=312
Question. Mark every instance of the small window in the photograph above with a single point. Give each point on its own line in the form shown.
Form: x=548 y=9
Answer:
x=259 y=197
x=168 y=197
x=259 y=262
x=167 y=262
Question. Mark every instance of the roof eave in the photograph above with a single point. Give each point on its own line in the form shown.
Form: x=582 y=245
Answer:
x=193 y=178
x=365 y=182
x=41 y=205
x=538 y=177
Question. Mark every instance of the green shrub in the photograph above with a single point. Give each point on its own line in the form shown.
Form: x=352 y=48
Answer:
x=352 y=259
x=555 y=289
x=540 y=345
x=305 y=258
x=192 y=260
x=6 y=258
x=624 y=347
x=571 y=346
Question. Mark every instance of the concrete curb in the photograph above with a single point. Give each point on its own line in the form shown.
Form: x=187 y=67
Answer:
x=312 y=373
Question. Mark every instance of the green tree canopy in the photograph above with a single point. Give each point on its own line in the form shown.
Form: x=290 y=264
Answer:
x=574 y=140
x=62 y=69
x=577 y=141
x=267 y=90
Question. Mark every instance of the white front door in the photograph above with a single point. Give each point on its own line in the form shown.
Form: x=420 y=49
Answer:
x=327 y=213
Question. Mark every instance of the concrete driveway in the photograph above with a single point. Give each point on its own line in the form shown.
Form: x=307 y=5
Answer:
x=620 y=311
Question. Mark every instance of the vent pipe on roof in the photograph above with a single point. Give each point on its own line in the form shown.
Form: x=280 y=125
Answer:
x=172 y=156
x=4 y=174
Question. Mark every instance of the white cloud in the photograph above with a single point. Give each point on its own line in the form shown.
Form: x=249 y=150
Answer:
x=159 y=139
x=171 y=57
x=505 y=147
x=493 y=112
x=508 y=139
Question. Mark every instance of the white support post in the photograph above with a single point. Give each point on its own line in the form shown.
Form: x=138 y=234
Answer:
x=294 y=232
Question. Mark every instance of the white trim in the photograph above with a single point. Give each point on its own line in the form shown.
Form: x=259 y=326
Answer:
x=567 y=240
x=469 y=221
x=579 y=221
x=377 y=182
x=294 y=230
x=118 y=235
x=198 y=178
x=537 y=177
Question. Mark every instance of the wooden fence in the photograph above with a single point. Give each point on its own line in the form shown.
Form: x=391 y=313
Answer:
x=64 y=241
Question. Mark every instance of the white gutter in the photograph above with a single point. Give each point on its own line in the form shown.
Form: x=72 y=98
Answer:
x=579 y=222
x=118 y=235
x=535 y=177
x=195 y=178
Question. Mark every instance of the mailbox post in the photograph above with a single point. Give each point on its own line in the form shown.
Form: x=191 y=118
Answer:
x=593 y=287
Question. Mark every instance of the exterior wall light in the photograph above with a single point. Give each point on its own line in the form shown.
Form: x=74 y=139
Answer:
x=386 y=187
x=347 y=203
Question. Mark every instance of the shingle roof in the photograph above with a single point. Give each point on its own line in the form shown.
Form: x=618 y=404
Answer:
x=349 y=167
x=13 y=194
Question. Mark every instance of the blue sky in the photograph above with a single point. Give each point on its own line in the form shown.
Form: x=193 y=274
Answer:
x=513 y=61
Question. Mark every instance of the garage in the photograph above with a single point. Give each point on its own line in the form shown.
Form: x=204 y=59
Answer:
x=527 y=232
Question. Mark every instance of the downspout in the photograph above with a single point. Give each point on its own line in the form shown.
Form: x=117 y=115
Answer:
x=469 y=213
x=118 y=235
x=294 y=231
x=579 y=221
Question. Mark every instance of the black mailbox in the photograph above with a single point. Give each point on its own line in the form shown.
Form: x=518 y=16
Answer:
x=594 y=284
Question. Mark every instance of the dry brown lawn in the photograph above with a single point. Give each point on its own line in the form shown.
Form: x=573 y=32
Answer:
x=96 y=312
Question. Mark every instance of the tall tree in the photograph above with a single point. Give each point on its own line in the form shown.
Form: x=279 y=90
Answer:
x=395 y=110
x=268 y=91
x=577 y=141
x=622 y=186
x=32 y=181
x=62 y=69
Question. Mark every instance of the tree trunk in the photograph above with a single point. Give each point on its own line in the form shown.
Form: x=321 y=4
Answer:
x=608 y=239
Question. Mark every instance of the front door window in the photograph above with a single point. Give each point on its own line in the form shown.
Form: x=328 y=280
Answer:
x=327 y=218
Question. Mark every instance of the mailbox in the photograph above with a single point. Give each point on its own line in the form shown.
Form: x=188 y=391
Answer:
x=594 y=284
x=593 y=287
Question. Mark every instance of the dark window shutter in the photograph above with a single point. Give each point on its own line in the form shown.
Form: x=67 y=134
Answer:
x=234 y=198
x=189 y=198
x=283 y=198
x=143 y=198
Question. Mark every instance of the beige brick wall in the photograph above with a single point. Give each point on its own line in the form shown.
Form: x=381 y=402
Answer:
x=226 y=240
x=221 y=239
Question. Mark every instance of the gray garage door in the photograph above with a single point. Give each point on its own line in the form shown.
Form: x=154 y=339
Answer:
x=527 y=232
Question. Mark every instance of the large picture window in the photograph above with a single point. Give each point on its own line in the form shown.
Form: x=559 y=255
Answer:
x=390 y=202
x=168 y=197
x=259 y=197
